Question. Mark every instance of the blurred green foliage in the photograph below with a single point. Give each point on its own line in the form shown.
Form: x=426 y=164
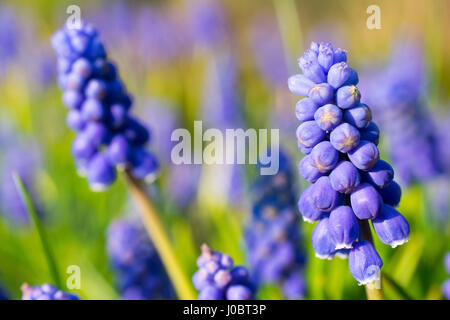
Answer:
x=76 y=219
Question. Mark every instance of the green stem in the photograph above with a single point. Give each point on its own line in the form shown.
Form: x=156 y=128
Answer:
x=290 y=30
x=25 y=196
x=374 y=291
x=398 y=288
x=160 y=239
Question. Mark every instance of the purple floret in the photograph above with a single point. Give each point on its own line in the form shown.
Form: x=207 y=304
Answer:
x=45 y=292
x=218 y=279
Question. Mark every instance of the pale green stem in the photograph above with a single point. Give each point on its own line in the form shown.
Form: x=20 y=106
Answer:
x=160 y=239
x=373 y=291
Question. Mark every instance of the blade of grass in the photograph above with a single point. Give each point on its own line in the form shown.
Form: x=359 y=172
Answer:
x=398 y=288
x=25 y=196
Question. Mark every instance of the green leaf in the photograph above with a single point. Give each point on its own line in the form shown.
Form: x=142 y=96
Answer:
x=25 y=196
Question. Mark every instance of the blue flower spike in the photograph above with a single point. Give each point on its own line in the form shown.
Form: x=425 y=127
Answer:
x=351 y=185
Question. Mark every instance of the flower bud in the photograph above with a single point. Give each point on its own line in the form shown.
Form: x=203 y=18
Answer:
x=92 y=110
x=135 y=132
x=321 y=241
x=321 y=93
x=338 y=74
x=305 y=207
x=366 y=202
x=380 y=175
x=100 y=172
x=323 y=196
x=222 y=278
x=311 y=68
x=117 y=115
x=72 y=99
x=340 y=55
x=365 y=155
x=328 y=117
x=371 y=133
x=144 y=164
x=353 y=79
x=239 y=292
x=82 y=67
x=240 y=275
x=82 y=146
x=345 y=137
x=210 y=293
x=325 y=56
x=305 y=109
x=299 y=84
x=201 y=279
x=391 y=227
x=359 y=116
x=345 y=177
x=324 y=156
x=307 y=170
x=74 y=82
x=97 y=133
x=74 y=120
x=365 y=263
x=309 y=134
x=344 y=229
x=347 y=97
x=314 y=47
x=391 y=194
x=119 y=150
x=96 y=89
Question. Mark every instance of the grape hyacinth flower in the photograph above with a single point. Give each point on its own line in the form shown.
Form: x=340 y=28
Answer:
x=218 y=279
x=45 y=292
x=272 y=235
x=342 y=162
x=446 y=284
x=108 y=136
x=139 y=271
x=396 y=94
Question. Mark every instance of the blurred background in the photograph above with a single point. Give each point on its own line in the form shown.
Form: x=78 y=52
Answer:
x=226 y=63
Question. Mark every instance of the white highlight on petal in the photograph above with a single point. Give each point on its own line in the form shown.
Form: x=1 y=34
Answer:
x=325 y=256
x=308 y=220
x=371 y=280
x=343 y=246
x=397 y=243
